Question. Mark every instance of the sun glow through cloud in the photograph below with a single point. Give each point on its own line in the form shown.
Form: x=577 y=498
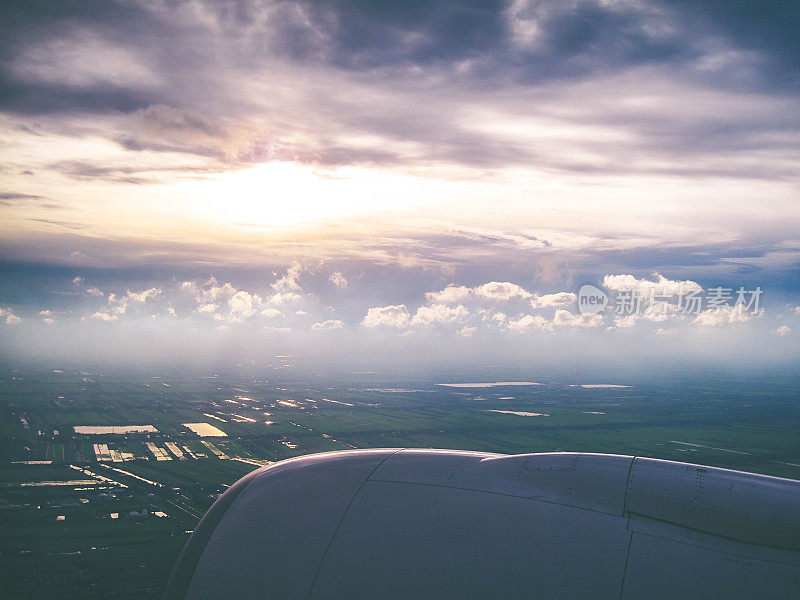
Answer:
x=321 y=174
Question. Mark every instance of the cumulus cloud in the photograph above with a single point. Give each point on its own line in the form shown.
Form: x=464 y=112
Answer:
x=646 y=288
x=564 y=318
x=289 y=283
x=783 y=331
x=326 y=325
x=395 y=316
x=527 y=322
x=449 y=295
x=439 y=313
x=9 y=317
x=102 y=316
x=338 y=280
x=723 y=315
x=497 y=291
x=501 y=291
x=558 y=299
x=144 y=295
x=243 y=304
x=283 y=298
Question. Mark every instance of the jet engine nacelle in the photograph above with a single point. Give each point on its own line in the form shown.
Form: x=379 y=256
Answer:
x=439 y=524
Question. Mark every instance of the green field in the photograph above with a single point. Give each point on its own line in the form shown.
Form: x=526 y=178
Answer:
x=60 y=541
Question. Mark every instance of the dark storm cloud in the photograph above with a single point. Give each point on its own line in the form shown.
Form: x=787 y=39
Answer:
x=191 y=77
x=26 y=98
x=529 y=41
x=768 y=28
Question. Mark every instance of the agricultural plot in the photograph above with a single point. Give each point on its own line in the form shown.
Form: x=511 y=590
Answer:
x=108 y=509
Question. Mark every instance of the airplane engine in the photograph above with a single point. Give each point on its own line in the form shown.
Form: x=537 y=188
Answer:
x=440 y=524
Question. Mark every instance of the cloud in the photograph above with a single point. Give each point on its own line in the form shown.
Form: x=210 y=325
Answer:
x=288 y=283
x=338 y=280
x=243 y=305
x=564 y=318
x=439 y=313
x=547 y=300
x=144 y=295
x=93 y=291
x=395 y=316
x=327 y=325
x=783 y=331
x=284 y=298
x=102 y=316
x=645 y=287
x=497 y=291
x=527 y=322
x=9 y=317
x=77 y=280
x=723 y=315
x=212 y=292
x=501 y=291
x=450 y=295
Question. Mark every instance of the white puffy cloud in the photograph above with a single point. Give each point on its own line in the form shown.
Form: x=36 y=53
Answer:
x=77 y=280
x=564 y=318
x=723 y=315
x=143 y=296
x=660 y=311
x=288 y=283
x=47 y=316
x=625 y=322
x=497 y=317
x=284 y=298
x=9 y=316
x=439 y=313
x=497 y=291
x=501 y=291
x=326 y=325
x=645 y=287
x=215 y=293
x=338 y=280
x=93 y=291
x=118 y=306
x=243 y=304
x=396 y=316
x=208 y=308
x=450 y=295
x=783 y=330
x=467 y=331
x=530 y=322
x=102 y=316
x=558 y=299
x=271 y=312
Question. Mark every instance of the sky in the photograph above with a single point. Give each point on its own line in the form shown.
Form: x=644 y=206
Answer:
x=400 y=186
